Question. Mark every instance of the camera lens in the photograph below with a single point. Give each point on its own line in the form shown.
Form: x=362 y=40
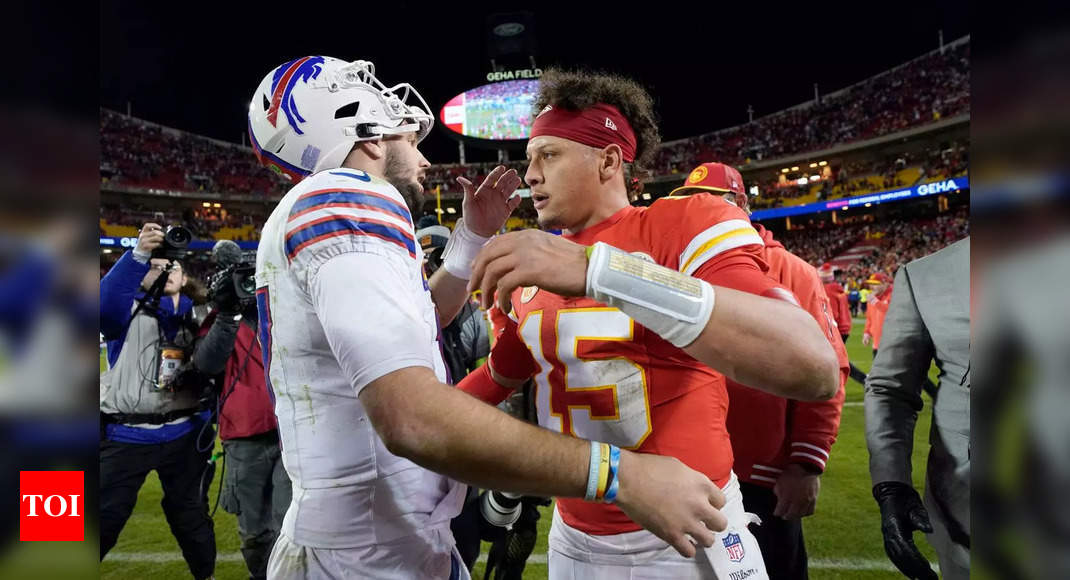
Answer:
x=248 y=284
x=500 y=509
x=178 y=236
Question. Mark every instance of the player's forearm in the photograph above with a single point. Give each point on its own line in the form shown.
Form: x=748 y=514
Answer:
x=759 y=342
x=444 y=430
x=449 y=284
x=448 y=293
x=769 y=345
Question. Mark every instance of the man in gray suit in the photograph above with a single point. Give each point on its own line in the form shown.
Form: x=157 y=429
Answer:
x=928 y=319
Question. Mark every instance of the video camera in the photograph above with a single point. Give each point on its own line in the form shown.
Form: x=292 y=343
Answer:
x=233 y=287
x=175 y=241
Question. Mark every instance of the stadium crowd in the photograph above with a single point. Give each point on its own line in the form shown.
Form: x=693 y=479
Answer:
x=894 y=242
x=138 y=154
x=869 y=175
x=927 y=89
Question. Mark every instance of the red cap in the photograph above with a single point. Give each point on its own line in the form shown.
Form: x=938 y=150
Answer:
x=879 y=278
x=826 y=272
x=713 y=177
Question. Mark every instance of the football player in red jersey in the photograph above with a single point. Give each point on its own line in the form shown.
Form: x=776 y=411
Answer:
x=780 y=446
x=631 y=320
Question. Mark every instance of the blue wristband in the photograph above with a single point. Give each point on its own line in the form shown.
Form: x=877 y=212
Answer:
x=592 y=471
x=614 y=467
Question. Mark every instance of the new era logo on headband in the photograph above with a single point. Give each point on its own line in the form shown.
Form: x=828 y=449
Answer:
x=611 y=124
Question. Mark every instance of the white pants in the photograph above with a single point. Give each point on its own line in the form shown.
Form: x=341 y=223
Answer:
x=574 y=555
x=429 y=554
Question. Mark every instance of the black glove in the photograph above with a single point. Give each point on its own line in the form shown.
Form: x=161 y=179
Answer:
x=901 y=513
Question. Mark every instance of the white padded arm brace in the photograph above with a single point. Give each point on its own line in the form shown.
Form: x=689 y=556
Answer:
x=672 y=304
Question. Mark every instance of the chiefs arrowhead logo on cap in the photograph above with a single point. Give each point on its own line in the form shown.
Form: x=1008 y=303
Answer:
x=528 y=293
x=698 y=174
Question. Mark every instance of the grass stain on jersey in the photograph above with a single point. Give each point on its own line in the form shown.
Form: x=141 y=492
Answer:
x=308 y=398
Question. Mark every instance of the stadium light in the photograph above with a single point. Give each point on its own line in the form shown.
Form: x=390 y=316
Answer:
x=815 y=177
x=823 y=163
x=754 y=190
x=813 y=165
x=785 y=170
x=106 y=250
x=796 y=168
x=451 y=210
x=844 y=208
x=869 y=205
x=217 y=205
x=646 y=196
x=802 y=181
x=438 y=210
x=207 y=204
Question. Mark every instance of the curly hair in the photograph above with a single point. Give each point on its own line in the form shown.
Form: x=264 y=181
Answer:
x=578 y=90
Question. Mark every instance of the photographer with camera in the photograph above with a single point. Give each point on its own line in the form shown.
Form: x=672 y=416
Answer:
x=255 y=485
x=152 y=419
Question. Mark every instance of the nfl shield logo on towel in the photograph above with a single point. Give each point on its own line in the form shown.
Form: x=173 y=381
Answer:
x=734 y=546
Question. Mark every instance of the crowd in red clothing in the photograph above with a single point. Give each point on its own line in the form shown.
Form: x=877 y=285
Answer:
x=933 y=87
x=134 y=153
x=142 y=155
x=896 y=241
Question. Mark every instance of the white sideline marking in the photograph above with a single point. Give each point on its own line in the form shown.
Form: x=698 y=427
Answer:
x=815 y=563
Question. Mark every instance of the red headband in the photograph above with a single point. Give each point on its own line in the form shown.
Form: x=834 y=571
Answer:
x=597 y=127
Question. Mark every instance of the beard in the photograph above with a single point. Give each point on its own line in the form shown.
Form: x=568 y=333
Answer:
x=397 y=174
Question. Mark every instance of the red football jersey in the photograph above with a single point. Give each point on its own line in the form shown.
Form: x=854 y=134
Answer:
x=601 y=376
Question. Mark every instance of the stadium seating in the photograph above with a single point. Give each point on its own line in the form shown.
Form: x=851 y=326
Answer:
x=139 y=154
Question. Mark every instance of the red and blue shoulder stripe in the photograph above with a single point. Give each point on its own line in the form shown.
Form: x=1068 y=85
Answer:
x=325 y=214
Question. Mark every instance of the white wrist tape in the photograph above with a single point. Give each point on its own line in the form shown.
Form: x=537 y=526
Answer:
x=672 y=304
x=461 y=250
x=141 y=257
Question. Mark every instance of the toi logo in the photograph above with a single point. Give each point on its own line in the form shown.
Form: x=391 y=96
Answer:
x=52 y=506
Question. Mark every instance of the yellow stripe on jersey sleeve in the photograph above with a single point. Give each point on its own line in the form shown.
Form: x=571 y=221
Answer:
x=722 y=237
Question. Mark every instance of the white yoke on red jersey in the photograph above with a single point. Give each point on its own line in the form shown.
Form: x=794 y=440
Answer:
x=343 y=301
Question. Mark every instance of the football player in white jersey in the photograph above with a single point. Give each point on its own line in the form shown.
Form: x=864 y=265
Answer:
x=373 y=438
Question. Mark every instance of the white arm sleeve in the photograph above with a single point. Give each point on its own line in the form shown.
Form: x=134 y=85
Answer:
x=369 y=315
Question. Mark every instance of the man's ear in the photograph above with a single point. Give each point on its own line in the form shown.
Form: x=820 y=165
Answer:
x=611 y=161
x=374 y=149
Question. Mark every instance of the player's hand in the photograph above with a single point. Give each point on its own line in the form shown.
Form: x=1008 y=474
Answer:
x=528 y=258
x=901 y=513
x=671 y=500
x=796 y=492
x=485 y=209
x=867 y=338
x=150 y=238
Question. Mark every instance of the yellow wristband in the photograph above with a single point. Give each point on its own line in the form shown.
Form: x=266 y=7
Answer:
x=603 y=472
x=589 y=250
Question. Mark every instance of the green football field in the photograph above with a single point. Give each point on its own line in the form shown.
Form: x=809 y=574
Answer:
x=843 y=538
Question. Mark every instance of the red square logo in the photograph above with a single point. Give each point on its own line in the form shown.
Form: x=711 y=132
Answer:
x=52 y=506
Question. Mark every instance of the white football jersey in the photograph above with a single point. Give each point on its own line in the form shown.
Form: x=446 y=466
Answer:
x=343 y=301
